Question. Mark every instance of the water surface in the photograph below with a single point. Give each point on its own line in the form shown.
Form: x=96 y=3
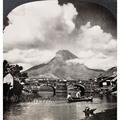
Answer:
x=56 y=110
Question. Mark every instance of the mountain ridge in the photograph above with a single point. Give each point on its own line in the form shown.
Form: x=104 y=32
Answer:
x=59 y=68
x=109 y=72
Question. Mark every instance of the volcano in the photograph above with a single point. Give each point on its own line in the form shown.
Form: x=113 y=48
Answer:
x=59 y=67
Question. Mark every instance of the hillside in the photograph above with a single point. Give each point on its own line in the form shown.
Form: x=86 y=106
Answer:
x=109 y=72
x=60 y=68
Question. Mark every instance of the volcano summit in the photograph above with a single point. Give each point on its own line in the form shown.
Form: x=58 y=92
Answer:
x=60 y=67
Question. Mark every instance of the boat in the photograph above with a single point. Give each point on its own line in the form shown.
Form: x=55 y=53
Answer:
x=75 y=99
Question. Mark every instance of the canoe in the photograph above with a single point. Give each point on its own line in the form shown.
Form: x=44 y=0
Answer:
x=74 y=99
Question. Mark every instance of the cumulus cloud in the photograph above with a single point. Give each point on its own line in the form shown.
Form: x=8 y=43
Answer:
x=37 y=30
x=95 y=38
x=40 y=25
x=29 y=58
x=99 y=61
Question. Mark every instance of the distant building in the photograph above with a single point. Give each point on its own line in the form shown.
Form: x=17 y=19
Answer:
x=109 y=82
x=8 y=79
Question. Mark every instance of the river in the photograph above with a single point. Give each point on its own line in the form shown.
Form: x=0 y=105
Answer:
x=56 y=109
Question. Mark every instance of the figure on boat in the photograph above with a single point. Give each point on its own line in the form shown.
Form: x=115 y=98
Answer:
x=69 y=97
x=78 y=94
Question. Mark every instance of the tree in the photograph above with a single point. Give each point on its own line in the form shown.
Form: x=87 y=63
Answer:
x=18 y=76
x=14 y=70
x=5 y=68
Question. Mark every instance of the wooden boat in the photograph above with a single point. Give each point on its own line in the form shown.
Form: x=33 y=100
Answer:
x=74 y=99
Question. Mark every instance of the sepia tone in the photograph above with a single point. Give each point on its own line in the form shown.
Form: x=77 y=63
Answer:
x=60 y=60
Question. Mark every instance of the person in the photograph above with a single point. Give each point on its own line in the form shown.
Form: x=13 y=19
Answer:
x=69 y=96
x=78 y=94
x=87 y=111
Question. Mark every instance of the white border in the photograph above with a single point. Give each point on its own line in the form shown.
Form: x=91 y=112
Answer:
x=118 y=59
x=1 y=59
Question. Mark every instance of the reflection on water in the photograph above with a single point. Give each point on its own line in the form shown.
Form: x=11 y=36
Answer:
x=56 y=110
x=45 y=94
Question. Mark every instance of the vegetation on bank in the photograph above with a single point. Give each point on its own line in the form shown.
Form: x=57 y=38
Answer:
x=12 y=93
x=110 y=114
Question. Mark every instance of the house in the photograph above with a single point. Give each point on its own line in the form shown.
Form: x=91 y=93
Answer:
x=109 y=82
x=8 y=79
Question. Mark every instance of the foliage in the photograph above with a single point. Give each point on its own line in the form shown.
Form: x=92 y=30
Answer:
x=14 y=70
x=18 y=77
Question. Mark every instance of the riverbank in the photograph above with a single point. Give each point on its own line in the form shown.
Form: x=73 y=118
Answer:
x=110 y=114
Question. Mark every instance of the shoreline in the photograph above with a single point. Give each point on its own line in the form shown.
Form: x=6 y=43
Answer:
x=109 y=114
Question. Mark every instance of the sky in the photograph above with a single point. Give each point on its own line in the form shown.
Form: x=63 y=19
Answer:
x=37 y=30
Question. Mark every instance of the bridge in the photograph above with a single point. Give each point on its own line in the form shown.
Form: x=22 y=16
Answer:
x=58 y=86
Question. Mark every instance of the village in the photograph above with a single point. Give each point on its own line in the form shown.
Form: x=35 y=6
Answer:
x=16 y=86
x=19 y=88
x=60 y=60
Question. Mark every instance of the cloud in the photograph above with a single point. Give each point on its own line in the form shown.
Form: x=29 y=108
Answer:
x=99 y=61
x=85 y=54
x=39 y=25
x=94 y=38
x=28 y=58
x=38 y=29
